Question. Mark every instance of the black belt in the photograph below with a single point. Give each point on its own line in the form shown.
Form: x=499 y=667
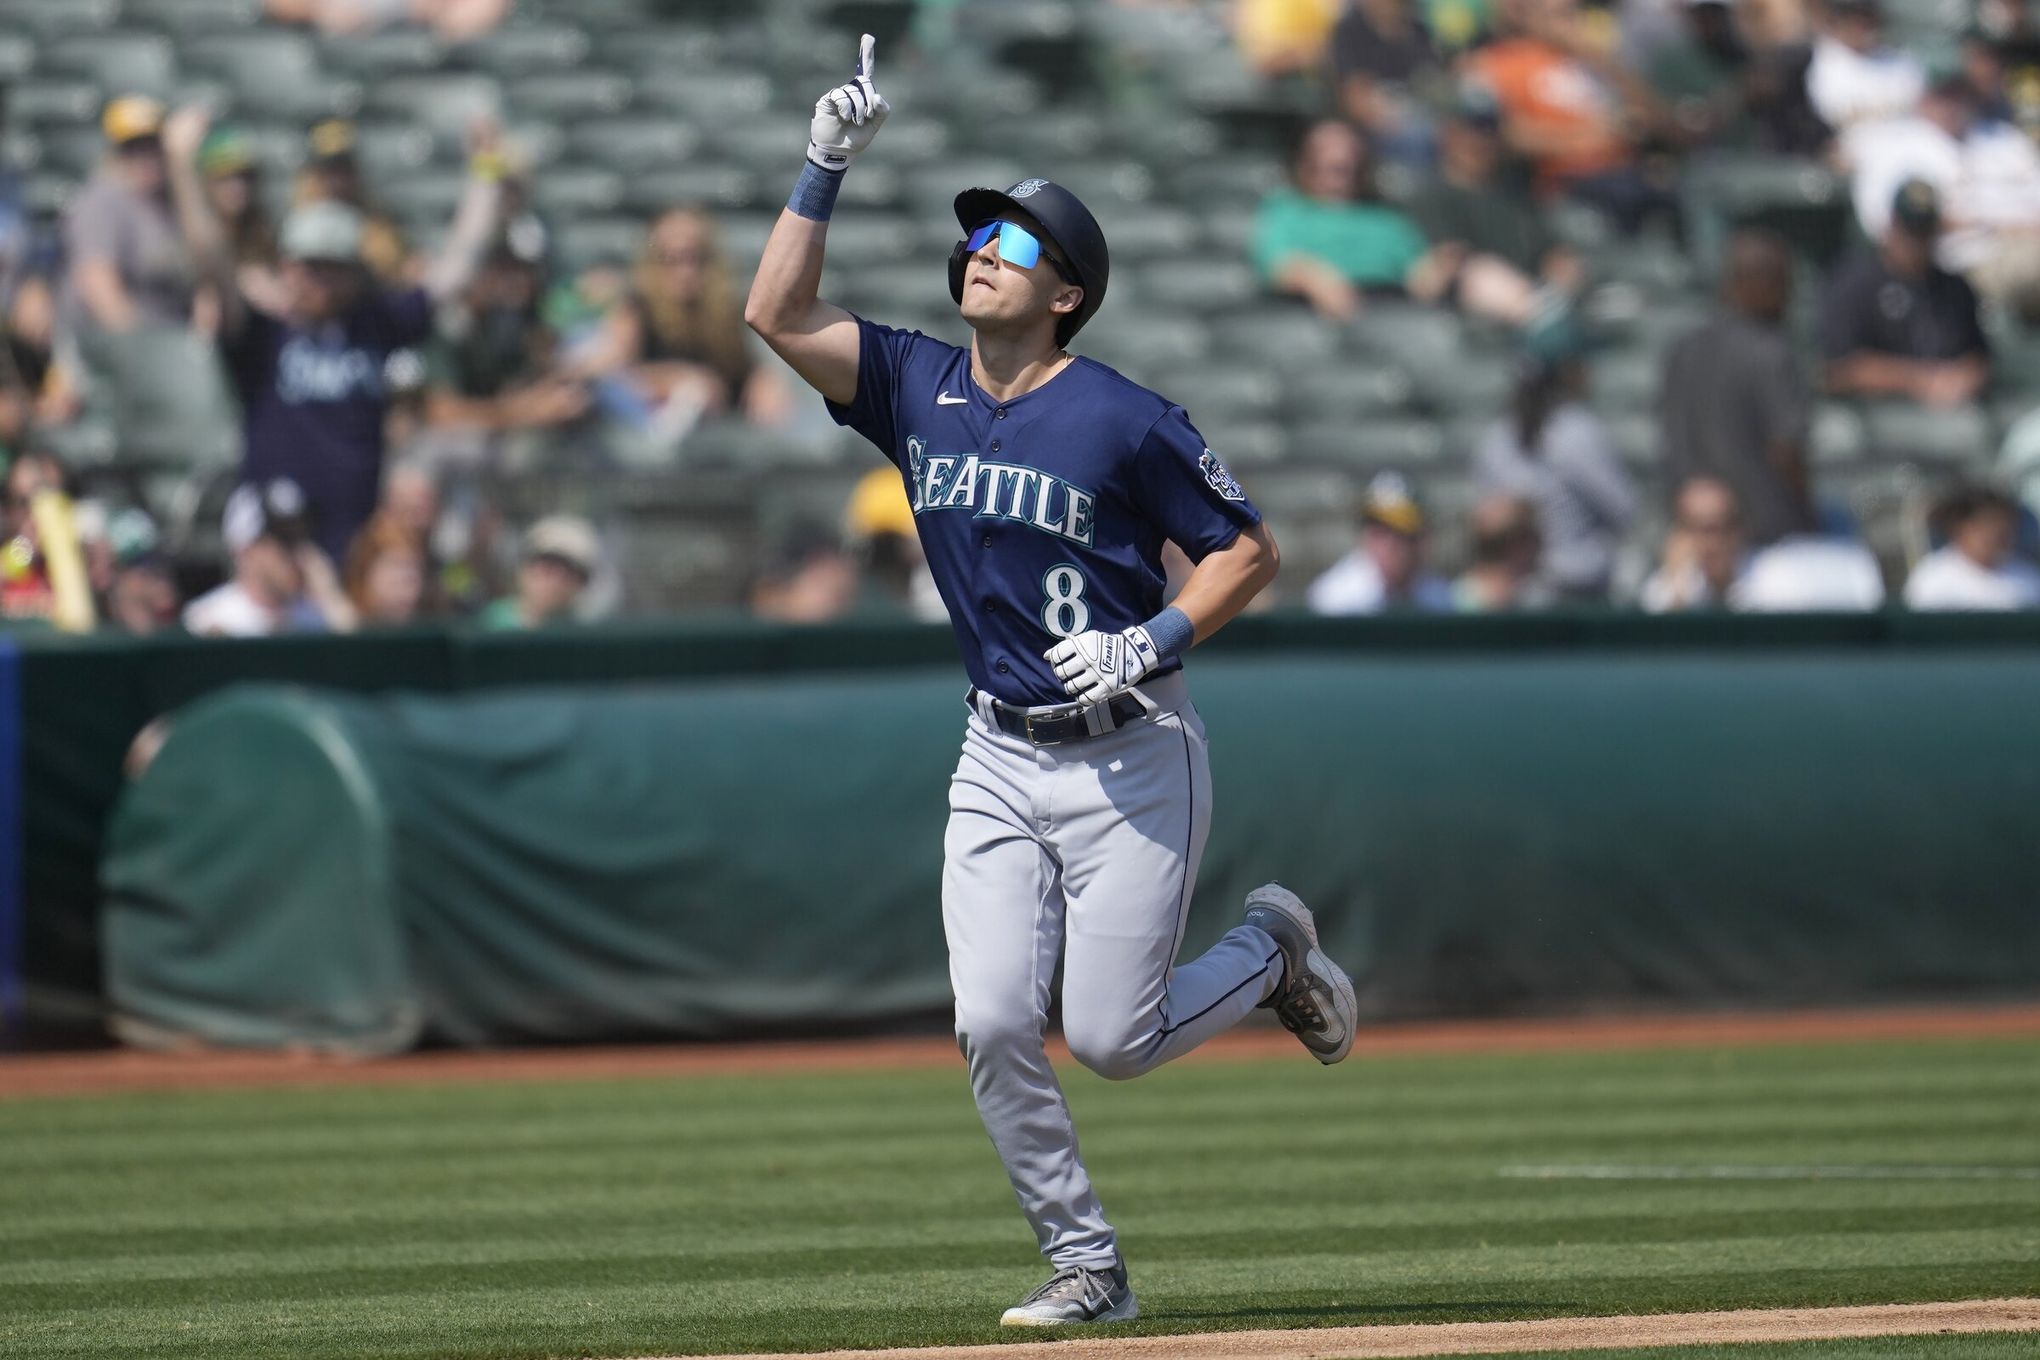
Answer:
x=1054 y=726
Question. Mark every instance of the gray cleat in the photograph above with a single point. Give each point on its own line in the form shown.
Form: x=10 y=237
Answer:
x=1076 y=1295
x=1315 y=1001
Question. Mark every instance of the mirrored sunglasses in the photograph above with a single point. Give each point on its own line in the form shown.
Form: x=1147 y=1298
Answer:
x=1017 y=246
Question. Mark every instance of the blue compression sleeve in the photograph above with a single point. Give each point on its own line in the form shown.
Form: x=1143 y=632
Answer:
x=1172 y=632
x=814 y=193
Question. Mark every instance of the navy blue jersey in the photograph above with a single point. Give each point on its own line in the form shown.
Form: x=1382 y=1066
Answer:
x=1045 y=515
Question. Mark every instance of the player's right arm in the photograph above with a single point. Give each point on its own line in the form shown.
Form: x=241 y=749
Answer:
x=818 y=339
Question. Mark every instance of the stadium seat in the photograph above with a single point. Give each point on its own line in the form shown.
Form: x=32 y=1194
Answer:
x=1212 y=284
x=1625 y=379
x=1226 y=393
x=1836 y=435
x=563 y=192
x=1274 y=334
x=1244 y=444
x=133 y=63
x=712 y=98
x=377 y=56
x=583 y=241
x=712 y=185
x=1343 y=389
x=443 y=104
x=57 y=18
x=56 y=103
x=1404 y=442
x=567 y=95
x=1902 y=431
x=526 y=49
x=633 y=142
x=186 y=18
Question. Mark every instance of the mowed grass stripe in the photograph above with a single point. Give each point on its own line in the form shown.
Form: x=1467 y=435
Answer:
x=640 y=1217
x=1436 y=1213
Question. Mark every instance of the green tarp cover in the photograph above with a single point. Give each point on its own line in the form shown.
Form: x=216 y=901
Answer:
x=1479 y=832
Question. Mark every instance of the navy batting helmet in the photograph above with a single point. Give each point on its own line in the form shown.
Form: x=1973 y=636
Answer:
x=1069 y=225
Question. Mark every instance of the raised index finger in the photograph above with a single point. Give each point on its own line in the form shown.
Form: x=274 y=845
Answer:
x=866 y=57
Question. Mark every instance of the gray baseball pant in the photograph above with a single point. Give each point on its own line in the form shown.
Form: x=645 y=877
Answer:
x=1087 y=850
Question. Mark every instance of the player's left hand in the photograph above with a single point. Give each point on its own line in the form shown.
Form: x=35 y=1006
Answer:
x=1097 y=666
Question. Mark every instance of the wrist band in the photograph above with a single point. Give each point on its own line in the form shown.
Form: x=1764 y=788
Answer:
x=814 y=193
x=488 y=165
x=1172 y=633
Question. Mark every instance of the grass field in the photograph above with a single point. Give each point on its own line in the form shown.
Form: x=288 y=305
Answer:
x=806 y=1211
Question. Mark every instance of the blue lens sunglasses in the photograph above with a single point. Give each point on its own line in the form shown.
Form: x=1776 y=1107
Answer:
x=1017 y=246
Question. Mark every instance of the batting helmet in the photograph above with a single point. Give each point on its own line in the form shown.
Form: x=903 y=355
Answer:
x=1069 y=225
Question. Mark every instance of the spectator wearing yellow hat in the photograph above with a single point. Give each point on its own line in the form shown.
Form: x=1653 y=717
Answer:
x=332 y=174
x=128 y=264
x=880 y=527
x=1385 y=571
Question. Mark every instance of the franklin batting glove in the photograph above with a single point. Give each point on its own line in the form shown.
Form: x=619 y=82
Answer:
x=847 y=117
x=1097 y=666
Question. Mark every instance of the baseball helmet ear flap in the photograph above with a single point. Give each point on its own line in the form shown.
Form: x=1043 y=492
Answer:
x=959 y=261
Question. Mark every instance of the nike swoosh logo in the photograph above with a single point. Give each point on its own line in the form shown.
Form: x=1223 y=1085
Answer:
x=946 y=400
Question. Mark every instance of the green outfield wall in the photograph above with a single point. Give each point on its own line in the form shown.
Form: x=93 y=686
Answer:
x=688 y=829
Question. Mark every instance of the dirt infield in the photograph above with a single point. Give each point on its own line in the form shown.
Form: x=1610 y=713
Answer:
x=52 y=1074
x=1503 y=1338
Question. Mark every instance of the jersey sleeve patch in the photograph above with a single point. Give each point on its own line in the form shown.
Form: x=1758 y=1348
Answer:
x=1218 y=479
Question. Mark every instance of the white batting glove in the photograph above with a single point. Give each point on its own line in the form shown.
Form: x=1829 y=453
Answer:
x=1097 y=666
x=847 y=117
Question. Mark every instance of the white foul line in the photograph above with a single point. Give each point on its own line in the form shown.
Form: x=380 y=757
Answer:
x=1770 y=1173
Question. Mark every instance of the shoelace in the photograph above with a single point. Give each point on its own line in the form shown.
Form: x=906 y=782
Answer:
x=1298 y=1010
x=1076 y=1283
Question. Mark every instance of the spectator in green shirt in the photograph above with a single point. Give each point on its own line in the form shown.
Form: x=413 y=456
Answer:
x=1331 y=241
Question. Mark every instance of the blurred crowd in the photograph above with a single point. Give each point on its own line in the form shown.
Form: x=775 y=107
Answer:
x=376 y=388
x=1485 y=115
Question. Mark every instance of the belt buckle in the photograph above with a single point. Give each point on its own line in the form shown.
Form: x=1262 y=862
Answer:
x=1060 y=715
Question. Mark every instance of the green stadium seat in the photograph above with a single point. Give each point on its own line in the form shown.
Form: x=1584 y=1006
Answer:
x=584 y=241
x=1274 y=334
x=1411 y=443
x=392 y=148
x=859 y=240
x=1625 y=379
x=1243 y=444
x=17 y=56
x=186 y=18
x=522 y=49
x=1636 y=437
x=711 y=185
x=1227 y=393
x=567 y=95
x=1147 y=344
x=632 y=142
x=1345 y=389
x=1209 y=284
x=1902 y=431
x=71 y=151
x=443 y=104
x=714 y=99
x=58 y=18
x=133 y=63
x=1836 y=435
x=54 y=103
x=563 y=192
x=390 y=52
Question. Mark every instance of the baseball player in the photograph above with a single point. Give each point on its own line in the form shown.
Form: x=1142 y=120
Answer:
x=1043 y=486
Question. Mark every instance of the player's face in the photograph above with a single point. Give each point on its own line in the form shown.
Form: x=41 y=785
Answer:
x=1002 y=294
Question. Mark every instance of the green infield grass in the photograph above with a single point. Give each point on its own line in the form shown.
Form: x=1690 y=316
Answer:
x=804 y=1212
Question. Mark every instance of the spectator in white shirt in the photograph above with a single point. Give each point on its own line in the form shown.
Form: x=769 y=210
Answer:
x=1854 y=77
x=1704 y=553
x=1385 y=572
x=1810 y=572
x=1976 y=569
x=282 y=583
x=1987 y=174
